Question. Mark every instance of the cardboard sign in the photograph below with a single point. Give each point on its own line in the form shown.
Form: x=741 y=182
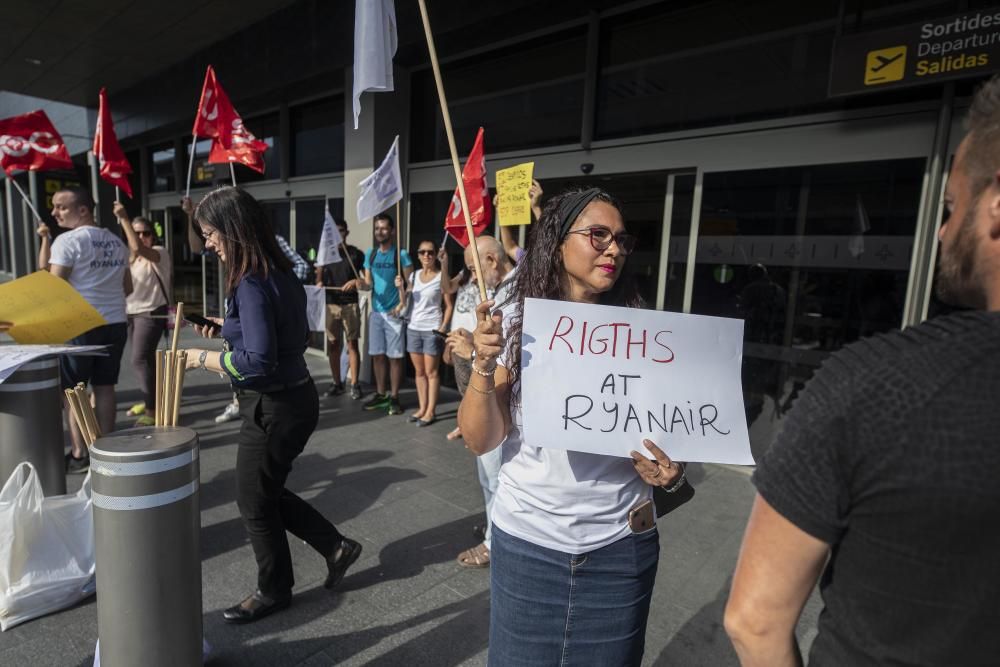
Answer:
x=45 y=309
x=600 y=379
x=513 y=201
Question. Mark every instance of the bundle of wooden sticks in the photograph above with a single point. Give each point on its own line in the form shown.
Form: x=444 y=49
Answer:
x=170 y=367
x=83 y=413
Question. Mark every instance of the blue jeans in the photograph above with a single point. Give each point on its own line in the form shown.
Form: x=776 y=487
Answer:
x=551 y=608
x=488 y=467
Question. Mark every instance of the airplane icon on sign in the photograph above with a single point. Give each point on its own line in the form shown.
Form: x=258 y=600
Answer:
x=885 y=65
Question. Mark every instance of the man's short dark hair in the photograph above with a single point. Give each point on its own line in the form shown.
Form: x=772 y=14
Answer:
x=386 y=217
x=983 y=123
x=81 y=196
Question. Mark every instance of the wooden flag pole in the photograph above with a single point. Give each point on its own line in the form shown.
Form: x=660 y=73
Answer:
x=451 y=146
x=399 y=248
x=159 y=387
x=347 y=256
x=187 y=190
x=26 y=198
x=175 y=408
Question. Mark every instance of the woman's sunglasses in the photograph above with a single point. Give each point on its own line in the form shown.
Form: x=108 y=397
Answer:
x=144 y=233
x=601 y=238
x=425 y=252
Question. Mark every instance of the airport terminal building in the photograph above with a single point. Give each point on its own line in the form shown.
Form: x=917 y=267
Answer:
x=781 y=162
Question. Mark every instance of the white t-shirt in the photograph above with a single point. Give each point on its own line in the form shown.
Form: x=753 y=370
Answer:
x=426 y=314
x=466 y=300
x=98 y=260
x=573 y=502
x=146 y=292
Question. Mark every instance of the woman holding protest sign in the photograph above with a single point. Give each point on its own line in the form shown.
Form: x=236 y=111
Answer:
x=571 y=572
x=266 y=331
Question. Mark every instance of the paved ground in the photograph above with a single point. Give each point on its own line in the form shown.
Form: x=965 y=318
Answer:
x=411 y=498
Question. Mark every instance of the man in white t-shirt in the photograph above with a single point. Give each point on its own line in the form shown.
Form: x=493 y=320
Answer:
x=95 y=262
x=498 y=275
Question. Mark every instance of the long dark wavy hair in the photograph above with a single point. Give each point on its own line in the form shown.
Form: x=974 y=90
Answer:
x=245 y=232
x=540 y=276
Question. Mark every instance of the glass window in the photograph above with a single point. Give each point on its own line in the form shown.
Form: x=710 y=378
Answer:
x=309 y=215
x=161 y=172
x=530 y=94
x=811 y=258
x=674 y=68
x=318 y=137
x=280 y=214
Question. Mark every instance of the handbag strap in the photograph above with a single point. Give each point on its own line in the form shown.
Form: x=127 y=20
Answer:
x=159 y=281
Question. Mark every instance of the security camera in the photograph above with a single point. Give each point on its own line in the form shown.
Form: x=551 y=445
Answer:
x=587 y=167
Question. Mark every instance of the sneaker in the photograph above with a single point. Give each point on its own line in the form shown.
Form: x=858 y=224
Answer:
x=356 y=392
x=335 y=390
x=377 y=402
x=145 y=420
x=231 y=412
x=75 y=466
x=394 y=407
x=136 y=410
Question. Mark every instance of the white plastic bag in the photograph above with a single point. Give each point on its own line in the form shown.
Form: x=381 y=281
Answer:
x=46 y=548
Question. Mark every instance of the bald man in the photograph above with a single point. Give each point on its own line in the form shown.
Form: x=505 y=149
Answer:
x=498 y=274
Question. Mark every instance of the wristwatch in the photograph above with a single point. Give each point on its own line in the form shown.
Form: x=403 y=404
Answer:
x=201 y=359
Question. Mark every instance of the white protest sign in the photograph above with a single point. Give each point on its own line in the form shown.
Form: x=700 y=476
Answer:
x=600 y=379
x=13 y=357
x=315 y=307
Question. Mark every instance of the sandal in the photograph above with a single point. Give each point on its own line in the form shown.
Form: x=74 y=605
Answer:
x=478 y=557
x=454 y=434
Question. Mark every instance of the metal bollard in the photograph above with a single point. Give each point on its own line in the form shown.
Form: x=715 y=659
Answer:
x=31 y=428
x=146 y=525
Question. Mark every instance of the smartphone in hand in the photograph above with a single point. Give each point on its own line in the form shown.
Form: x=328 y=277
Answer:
x=201 y=321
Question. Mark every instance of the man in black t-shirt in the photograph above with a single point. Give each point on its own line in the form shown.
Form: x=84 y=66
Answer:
x=888 y=466
x=343 y=318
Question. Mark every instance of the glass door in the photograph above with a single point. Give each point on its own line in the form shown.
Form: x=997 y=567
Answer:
x=811 y=258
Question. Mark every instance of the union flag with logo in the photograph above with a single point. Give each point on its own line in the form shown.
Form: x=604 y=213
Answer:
x=215 y=112
x=245 y=148
x=114 y=166
x=30 y=142
x=477 y=193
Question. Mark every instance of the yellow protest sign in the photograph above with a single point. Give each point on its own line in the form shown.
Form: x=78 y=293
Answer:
x=513 y=202
x=45 y=309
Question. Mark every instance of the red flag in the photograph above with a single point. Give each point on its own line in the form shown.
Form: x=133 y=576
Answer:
x=215 y=112
x=114 y=165
x=476 y=192
x=246 y=149
x=29 y=141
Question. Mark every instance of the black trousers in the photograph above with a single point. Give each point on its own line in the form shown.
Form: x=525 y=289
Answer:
x=275 y=429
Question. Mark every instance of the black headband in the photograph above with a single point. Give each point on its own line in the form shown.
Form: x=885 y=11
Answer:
x=571 y=207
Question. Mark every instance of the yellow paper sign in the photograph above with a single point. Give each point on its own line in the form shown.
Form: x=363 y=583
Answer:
x=45 y=309
x=513 y=201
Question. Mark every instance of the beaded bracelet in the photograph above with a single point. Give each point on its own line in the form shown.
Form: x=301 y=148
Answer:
x=485 y=374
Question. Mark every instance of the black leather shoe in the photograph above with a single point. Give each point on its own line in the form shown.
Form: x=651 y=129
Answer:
x=254 y=608
x=342 y=558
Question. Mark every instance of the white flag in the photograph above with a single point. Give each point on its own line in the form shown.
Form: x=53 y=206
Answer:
x=329 y=242
x=374 y=47
x=315 y=307
x=383 y=188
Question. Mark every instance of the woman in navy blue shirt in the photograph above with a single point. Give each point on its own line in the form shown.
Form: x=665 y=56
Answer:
x=265 y=331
